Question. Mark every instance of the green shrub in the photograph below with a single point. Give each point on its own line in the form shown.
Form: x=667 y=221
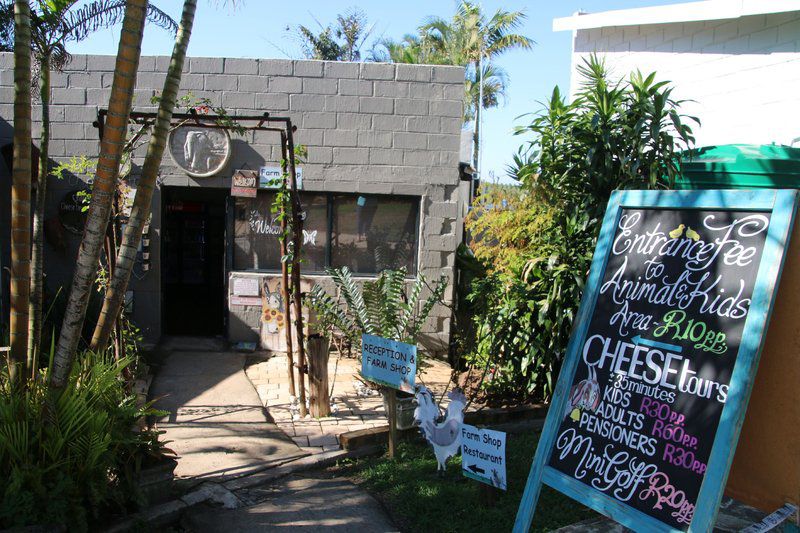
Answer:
x=537 y=240
x=524 y=318
x=67 y=459
x=390 y=306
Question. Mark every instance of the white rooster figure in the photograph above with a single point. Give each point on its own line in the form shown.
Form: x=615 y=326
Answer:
x=444 y=435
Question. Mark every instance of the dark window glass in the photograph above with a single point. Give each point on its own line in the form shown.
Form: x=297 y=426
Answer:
x=373 y=233
x=314 y=250
x=257 y=231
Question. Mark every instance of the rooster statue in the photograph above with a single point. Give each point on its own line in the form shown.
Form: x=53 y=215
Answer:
x=444 y=435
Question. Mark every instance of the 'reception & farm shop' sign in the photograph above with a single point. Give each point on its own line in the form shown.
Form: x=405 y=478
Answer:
x=643 y=423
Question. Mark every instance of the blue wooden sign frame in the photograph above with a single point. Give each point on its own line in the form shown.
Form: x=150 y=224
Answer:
x=782 y=205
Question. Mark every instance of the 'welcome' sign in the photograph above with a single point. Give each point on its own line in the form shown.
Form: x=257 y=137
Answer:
x=648 y=406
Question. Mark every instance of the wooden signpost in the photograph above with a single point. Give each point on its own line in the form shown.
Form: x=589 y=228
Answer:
x=392 y=364
x=653 y=391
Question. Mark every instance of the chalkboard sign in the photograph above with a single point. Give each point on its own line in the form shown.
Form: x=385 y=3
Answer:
x=648 y=406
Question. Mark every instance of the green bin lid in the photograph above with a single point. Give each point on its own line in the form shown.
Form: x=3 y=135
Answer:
x=741 y=166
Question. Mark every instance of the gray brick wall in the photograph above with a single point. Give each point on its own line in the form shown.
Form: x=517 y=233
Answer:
x=740 y=76
x=369 y=127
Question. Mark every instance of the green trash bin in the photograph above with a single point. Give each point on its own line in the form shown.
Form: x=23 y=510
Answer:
x=766 y=468
x=741 y=166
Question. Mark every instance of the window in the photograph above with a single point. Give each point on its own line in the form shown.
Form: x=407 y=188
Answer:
x=367 y=233
x=373 y=233
x=257 y=231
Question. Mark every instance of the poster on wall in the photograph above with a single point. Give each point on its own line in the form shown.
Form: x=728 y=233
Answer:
x=244 y=183
x=273 y=314
x=270 y=177
x=662 y=357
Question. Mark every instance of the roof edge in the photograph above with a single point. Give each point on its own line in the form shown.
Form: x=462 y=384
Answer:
x=685 y=12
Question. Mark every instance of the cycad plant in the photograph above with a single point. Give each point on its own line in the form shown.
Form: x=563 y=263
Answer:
x=73 y=455
x=390 y=306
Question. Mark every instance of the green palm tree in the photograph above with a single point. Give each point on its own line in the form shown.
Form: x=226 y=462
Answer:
x=140 y=211
x=486 y=84
x=103 y=189
x=339 y=42
x=55 y=23
x=407 y=50
x=473 y=41
x=21 y=193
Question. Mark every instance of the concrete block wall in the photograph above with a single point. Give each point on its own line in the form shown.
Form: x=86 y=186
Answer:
x=744 y=73
x=369 y=127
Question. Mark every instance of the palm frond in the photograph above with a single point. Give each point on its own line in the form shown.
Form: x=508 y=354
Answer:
x=427 y=307
x=76 y=25
x=393 y=292
x=352 y=295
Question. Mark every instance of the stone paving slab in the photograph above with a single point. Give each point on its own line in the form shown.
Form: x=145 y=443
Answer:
x=733 y=516
x=353 y=410
x=297 y=503
x=216 y=422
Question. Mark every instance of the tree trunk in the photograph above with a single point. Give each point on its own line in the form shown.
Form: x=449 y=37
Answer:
x=21 y=194
x=297 y=233
x=103 y=190
x=320 y=401
x=285 y=287
x=37 y=247
x=126 y=257
x=476 y=134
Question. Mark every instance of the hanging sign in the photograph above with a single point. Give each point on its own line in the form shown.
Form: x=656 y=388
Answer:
x=72 y=211
x=483 y=455
x=199 y=150
x=270 y=177
x=244 y=183
x=658 y=372
x=390 y=363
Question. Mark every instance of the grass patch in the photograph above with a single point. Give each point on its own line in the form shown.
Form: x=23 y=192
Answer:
x=419 y=499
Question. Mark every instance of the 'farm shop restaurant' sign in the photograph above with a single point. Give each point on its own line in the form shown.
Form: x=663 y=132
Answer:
x=664 y=351
x=388 y=362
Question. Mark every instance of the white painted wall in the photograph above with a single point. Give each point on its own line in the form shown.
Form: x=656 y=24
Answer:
x=743 y=73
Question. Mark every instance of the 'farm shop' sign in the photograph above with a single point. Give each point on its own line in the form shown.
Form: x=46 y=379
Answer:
x=663 y=355
x=390 y=363
x=483 y=455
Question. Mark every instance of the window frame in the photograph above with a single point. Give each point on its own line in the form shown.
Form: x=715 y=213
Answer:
x=329 y=196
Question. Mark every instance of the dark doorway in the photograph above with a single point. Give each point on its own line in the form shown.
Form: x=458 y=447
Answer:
x=193 y=260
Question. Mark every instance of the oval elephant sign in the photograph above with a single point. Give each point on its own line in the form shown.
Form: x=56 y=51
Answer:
x=201 y=151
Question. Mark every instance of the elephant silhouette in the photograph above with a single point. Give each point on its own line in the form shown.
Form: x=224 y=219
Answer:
x=197 y=151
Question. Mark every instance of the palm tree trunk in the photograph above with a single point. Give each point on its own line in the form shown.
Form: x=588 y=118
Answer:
x=21 y=193
x=103 y=190
x=476 y=136
x=37 y=248
x=147 y=182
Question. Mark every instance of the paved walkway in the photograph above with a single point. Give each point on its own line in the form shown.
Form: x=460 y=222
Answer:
x=217 y=423
x=355 y=406
x=296 y=503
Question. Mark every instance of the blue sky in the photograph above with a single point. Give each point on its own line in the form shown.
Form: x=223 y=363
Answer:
x=257 y=28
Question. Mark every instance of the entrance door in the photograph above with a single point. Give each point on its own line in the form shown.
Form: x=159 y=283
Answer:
x=193 y=261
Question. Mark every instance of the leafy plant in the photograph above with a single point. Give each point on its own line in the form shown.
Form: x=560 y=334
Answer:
x=386 y=307
x=74 y=455
x=537 y=239
x=341 y=41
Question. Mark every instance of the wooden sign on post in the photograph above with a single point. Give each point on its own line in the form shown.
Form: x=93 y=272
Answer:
x=652 y=394
x=392 y=364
